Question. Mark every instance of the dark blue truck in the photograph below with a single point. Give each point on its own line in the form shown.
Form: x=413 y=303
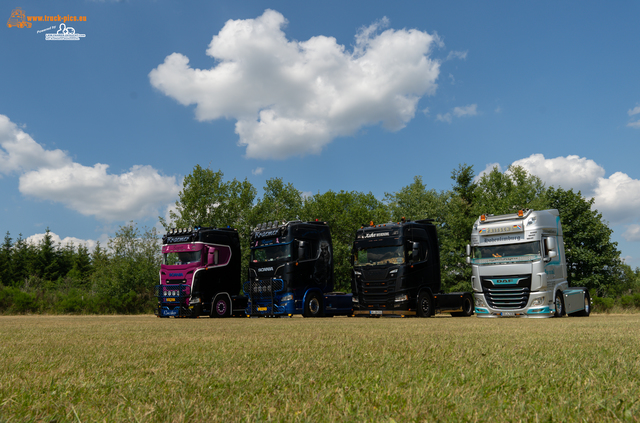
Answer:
x=291 y=271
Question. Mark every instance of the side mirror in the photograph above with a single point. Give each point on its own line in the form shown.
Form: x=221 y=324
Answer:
x=302 y=250
x=551 y=243
x=212 y=257
x=552 y=254
x=468 y=250
x=416 y=253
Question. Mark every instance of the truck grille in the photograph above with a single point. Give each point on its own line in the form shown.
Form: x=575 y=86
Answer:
x=261 y=293
x=374 y=290
x=263 y=289
x=508 y=292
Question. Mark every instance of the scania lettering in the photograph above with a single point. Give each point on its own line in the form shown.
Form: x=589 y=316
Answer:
x=291 y=271
x=200 y=274
x=519 y=268
x=396 y=271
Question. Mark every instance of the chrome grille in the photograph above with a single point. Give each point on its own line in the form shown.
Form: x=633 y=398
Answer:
x=507 y=296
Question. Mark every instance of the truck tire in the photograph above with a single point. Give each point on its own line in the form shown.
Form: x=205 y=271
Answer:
x=313 y=306
x=221 y=307
x=467 y=307
x=425 y=304
x=587 y=307
x=559 y=305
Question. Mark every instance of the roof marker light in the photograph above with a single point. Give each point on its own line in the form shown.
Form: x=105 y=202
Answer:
x=520 y=213
x=483 y=218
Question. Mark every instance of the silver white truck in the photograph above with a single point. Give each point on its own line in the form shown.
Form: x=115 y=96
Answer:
x=519 y=268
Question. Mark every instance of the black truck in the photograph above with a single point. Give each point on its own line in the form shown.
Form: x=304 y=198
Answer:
x=200 y=273
x=396 y=271
x=291 y=271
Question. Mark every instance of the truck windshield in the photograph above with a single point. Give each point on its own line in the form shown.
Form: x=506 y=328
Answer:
x=182 y=257
x=377 y=256
x=507 y=250
x=271 y=253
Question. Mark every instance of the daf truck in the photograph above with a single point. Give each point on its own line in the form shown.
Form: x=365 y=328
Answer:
x=396 y=271
x=291 y=271
x=519 y=267
x=200 y=273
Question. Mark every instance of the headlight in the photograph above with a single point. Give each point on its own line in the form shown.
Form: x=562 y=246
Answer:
x=287 y=297
x=480 y=302
x=537 y=302
x=355 y=299
x=194 y=301
x=402 y=297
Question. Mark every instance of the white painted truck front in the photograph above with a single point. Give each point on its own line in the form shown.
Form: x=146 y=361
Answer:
x=519 y=267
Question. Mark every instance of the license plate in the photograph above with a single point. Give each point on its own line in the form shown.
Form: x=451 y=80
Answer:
x=507 y=314
x=170 y=299
x=375 y=312
x=262 y=309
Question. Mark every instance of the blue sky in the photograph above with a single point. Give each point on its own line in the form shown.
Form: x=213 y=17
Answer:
x=337 y=95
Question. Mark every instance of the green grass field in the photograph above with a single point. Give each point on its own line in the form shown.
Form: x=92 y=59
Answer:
x=144 y=369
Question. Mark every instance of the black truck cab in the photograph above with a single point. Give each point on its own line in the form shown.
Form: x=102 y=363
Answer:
x=396 y=271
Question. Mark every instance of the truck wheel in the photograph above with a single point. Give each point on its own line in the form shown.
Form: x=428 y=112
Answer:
x=313 y=306
x=587 y=307
x=424 y=304
x=559 y=305
x=221 y=307
x=467 y=307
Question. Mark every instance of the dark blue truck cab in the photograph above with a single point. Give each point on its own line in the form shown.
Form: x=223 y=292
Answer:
x=291 y=271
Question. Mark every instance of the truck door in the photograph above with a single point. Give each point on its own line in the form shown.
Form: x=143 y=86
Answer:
x=551 y=258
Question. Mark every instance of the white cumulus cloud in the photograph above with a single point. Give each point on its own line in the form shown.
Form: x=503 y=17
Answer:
x=444 y=117
x=470 y=110
x=487 y=170
x=257 y=171
x=632 y=233
x=294 y=97
x=55 y=238
x=568 y=172
x=92 y=191
x=617 y=197
x=633 y=112
x=89 y=190
x=20 y=152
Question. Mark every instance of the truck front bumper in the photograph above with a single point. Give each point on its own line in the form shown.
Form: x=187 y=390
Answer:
x=482 y=308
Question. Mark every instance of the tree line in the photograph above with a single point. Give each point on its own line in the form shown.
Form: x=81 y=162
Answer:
x=121 y=277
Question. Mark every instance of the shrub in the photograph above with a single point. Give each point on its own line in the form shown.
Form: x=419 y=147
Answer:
x=602 y=305
x=13 y=300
